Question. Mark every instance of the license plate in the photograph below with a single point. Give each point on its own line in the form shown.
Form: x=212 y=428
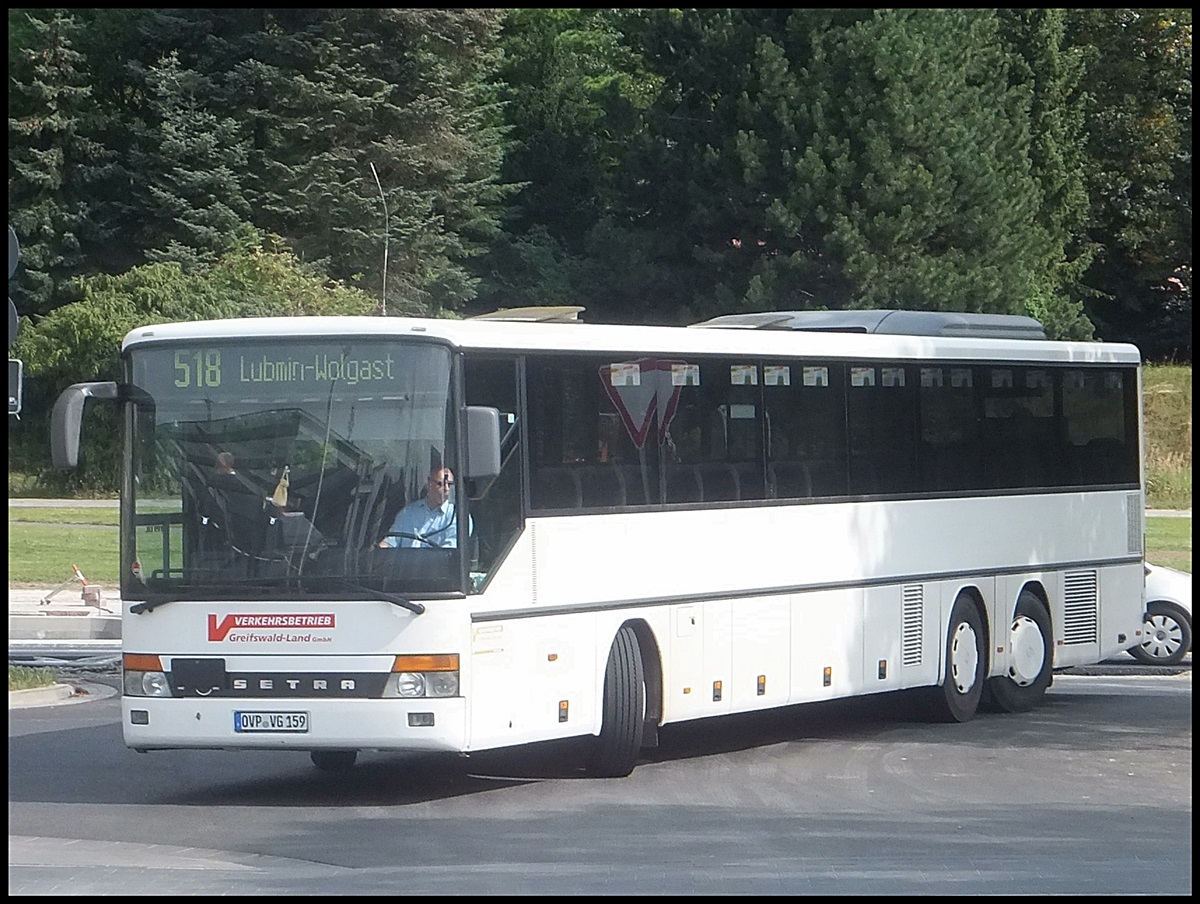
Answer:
x=295 y=723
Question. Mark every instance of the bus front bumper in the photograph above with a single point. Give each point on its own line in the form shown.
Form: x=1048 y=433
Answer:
x=423 y=724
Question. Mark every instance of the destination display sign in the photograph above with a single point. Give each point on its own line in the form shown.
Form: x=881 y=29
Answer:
x=245 y=369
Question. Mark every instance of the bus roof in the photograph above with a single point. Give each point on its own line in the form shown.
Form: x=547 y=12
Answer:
x=577 y=336
x=910 y=323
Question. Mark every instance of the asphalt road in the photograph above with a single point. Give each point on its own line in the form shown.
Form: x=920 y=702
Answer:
x=1089 y=794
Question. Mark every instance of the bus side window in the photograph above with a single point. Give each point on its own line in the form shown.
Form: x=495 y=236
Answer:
x=1100 y=414
x=881 y=412
x=593 y=437
x=805 y=429
x=713 y=447
x=496 y=513
x=951 y=446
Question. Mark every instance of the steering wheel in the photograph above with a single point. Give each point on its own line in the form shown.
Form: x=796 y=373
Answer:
x=416 y=537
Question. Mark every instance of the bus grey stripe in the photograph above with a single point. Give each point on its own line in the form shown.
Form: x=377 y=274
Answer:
x=534 y=612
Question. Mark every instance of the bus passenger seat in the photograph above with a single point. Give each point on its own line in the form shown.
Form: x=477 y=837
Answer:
x=718 y=482
x=683 y=484
x=790 y=480
x=602 y=486
x=750 y=479
x=556 y=488
x=640 y=488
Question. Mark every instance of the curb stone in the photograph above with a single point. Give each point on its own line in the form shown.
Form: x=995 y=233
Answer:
x=40 y=696
x=61 y=694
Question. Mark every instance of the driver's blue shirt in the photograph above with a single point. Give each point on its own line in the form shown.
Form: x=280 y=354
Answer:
x=438 y=526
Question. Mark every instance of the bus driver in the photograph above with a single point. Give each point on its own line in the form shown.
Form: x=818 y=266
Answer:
x=431 y=521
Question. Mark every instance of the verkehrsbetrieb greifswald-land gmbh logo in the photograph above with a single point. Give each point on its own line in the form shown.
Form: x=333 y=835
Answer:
x=271 y=628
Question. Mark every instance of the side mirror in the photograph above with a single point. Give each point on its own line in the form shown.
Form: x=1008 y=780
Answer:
x=66 y=422
x=483 y=442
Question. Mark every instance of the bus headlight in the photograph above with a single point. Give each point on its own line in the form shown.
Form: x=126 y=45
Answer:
x=146 y=684
x=144 y=676
x=441 y=684
x=410 y=684
x=434 y=675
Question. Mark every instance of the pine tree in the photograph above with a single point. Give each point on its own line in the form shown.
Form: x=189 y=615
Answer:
x=823 y=158
x=1139 y=152
x=324 y=94
x=853 y=160
x=190 y=164
x=1053 y=70
x=54 y=160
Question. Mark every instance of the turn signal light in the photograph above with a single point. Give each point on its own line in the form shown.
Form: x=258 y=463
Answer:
x=142 y=662
x=433 y=662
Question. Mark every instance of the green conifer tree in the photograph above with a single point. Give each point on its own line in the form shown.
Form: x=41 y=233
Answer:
x=1053 y=70
x=54 y=160
x=326 y=94
x=188 y=200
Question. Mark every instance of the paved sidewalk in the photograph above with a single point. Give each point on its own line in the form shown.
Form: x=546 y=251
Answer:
x=66 y=617
x=66 y=631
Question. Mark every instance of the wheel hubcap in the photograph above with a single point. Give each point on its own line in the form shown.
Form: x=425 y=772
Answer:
x=1164 y=636
x=1028 y=650
x=964 y=657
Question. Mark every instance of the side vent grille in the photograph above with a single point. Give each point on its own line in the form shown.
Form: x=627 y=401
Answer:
x=534 y=557
x=1079 y=598
x=1133 y=520
x=913 y=616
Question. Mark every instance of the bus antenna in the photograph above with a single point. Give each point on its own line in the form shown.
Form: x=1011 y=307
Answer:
x=383 y=295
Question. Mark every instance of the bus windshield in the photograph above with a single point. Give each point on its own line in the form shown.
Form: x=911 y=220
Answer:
x=266 y=470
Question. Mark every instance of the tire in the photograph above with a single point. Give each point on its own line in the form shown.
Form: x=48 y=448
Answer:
x=333 y=760
x=615 y=751
x=1168 y=636
x=956 y=699
x=1031 y=658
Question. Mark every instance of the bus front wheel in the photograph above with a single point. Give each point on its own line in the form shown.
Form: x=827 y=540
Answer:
x=1031 y=658
x=957 y=698
x=615 y=751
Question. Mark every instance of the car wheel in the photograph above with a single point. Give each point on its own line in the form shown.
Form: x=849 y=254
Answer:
x=1166 y=636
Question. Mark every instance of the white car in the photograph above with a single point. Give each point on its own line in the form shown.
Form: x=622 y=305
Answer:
x=1167 y=633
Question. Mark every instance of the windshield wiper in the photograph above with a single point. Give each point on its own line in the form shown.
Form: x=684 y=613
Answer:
x=416 y=608
x=199 y=594
x=151 y=605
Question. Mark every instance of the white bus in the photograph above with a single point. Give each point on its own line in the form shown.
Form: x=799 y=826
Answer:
x=657 y=524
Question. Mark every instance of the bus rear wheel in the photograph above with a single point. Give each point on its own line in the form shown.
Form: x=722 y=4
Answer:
x=1031 y=658
x=615 y=751
x=333 y=760
x=956 y=699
